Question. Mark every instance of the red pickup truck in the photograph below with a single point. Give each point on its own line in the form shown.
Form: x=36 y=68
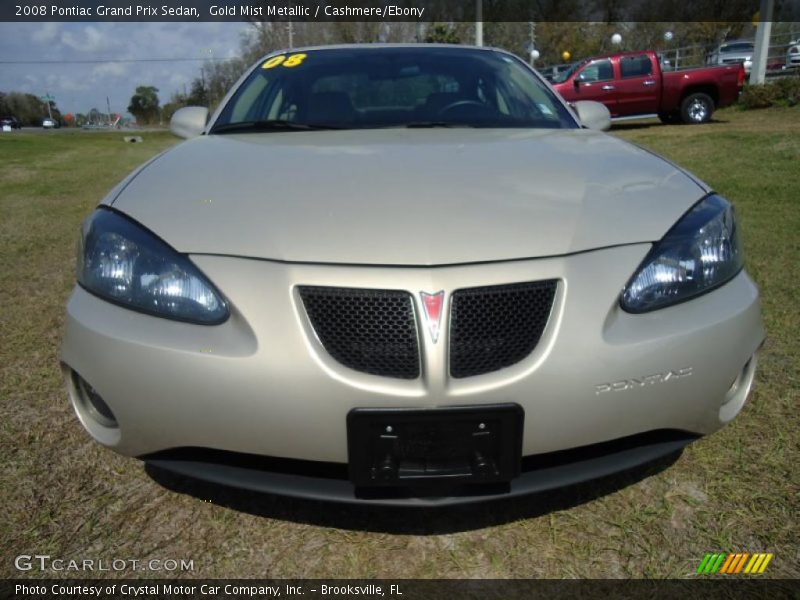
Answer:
x=632 y=84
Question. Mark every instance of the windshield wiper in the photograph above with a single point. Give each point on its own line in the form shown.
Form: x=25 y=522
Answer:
x=270 y=125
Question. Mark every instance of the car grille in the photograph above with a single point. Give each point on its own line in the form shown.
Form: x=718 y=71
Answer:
x=372 y=331
x=497 y=326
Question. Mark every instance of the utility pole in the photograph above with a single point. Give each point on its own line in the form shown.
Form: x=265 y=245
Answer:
x=207 y=92
x=759 y=69
x=479 y=23
x=108 y=106
x=210 y=79
x=48 y=99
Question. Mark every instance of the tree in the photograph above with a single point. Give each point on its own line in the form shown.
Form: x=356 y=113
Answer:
x=198 y=93
x=178 y=100
x=144 y=104
x=219 y=77
x=29 y=109
x=442 y=34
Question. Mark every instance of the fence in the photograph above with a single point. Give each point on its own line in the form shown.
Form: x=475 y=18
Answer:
x=698 y=55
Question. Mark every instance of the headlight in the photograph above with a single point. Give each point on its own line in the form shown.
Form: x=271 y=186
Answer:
x=702 y=251
x=124 y=263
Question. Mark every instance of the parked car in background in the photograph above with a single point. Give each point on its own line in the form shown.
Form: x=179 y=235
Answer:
x=633 y=84
x=793 y=55
x=10 y=121
x=49 y=123
x=733 y=52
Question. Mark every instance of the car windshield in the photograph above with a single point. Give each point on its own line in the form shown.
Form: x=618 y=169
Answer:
x=356 y=88
x=739 y=47
x=562 y=76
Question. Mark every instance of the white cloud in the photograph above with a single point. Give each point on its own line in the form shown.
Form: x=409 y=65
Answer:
x=29 y=84
x=47 y=33
x=178 y=80
x=77 y=86
x=111 y=69
x=57 y=82
x=91 y=40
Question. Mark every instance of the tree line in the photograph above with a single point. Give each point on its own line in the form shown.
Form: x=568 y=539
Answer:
x=552 y=39
x=29 y=109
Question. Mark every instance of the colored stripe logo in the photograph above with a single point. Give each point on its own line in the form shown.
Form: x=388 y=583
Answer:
x=731 y=564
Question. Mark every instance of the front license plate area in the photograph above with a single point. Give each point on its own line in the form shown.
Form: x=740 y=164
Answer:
x=391 y=447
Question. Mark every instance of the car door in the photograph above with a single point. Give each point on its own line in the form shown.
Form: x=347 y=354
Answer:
x=638 y=86
x=595 y=81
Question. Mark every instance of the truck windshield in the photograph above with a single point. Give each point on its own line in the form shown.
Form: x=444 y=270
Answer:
x=562 y=76
x=356 y=88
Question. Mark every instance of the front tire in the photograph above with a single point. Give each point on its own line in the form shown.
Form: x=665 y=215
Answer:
x=697 y=108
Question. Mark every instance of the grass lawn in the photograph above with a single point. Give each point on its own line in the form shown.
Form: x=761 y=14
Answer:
x=66 y=496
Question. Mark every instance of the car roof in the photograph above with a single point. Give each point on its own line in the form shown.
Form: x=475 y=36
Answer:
x=613 y=54
x=369 y=47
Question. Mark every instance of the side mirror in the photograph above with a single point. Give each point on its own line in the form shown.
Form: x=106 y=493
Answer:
x=593 y=115
x=189 y=122
x=577 y=82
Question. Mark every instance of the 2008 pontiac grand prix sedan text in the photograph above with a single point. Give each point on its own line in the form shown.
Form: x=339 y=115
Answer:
x=407 y=275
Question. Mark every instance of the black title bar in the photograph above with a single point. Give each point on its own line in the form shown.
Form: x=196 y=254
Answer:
x=447 y=11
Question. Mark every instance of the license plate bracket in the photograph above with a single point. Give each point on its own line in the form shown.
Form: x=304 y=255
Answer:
x=412 y=447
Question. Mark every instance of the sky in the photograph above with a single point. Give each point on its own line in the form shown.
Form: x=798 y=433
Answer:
x=80 y=87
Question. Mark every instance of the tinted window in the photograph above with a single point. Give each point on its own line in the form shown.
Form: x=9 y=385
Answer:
x=740 y=47
x=635 y=66
x=387 y=87
x=600 y=70
x=562 y=74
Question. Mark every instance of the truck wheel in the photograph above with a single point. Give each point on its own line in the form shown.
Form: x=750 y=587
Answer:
x=697 y=108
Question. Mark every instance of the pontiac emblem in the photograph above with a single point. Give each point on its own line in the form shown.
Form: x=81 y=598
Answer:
x=432 y=308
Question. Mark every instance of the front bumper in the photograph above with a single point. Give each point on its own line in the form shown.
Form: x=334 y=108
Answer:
x=262 y=384
x=329 y=481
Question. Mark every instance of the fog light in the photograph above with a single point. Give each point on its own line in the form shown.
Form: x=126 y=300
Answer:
x=93 y=403
x=737 y=394
x=93 y=412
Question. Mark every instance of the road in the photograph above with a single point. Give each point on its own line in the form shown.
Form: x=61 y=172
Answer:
x=126 y=131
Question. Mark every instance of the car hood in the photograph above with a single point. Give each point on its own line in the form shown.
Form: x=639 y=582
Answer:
x=406 y=196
